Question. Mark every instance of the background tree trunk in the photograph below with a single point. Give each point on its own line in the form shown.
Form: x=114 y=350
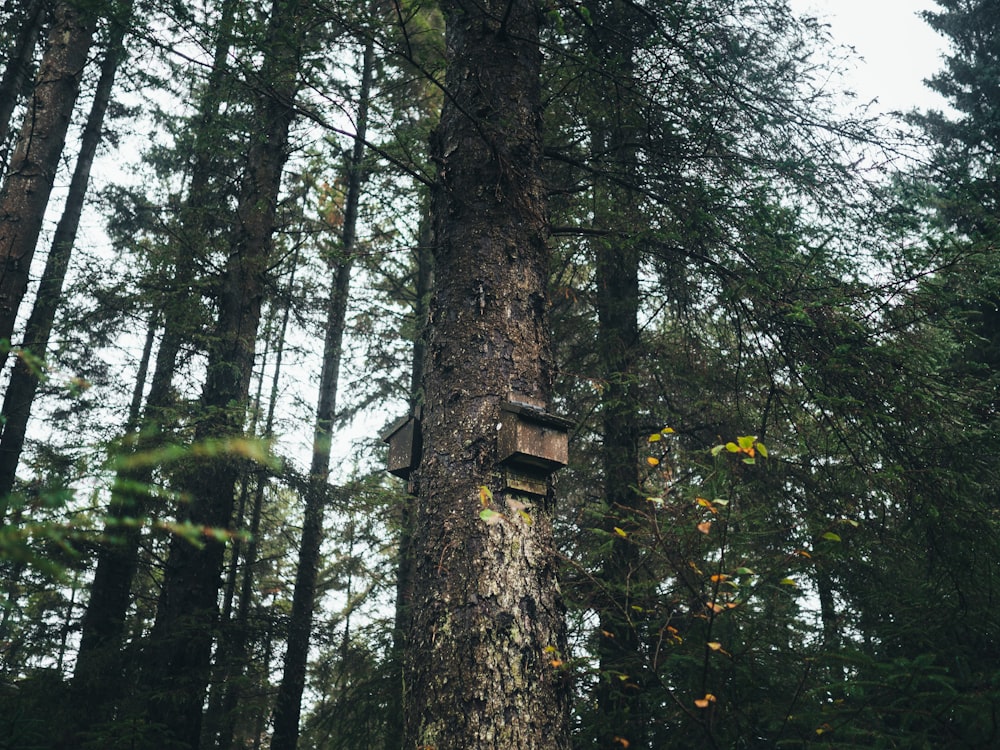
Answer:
x=176 y=664
x=486 y=626
x=18 y=66
x=35 y=160
x=288 y=707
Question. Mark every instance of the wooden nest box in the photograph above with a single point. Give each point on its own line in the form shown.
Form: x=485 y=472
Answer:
x=405 y=446
x=531 y=445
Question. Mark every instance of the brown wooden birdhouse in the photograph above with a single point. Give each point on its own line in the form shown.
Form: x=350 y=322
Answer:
x=403 y=437
x=532 y=444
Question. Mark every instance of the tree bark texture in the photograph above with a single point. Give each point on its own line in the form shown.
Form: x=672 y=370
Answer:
x=35 y=160
x=177 y=661
x=486 y=633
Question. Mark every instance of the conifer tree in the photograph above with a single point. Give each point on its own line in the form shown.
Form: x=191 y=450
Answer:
x=485 y=623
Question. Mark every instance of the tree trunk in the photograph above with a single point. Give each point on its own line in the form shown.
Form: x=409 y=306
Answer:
x=288 y=704
x=177 y=660
x=486 y=633
x=231 y=654
x=423 y=288
x=24 y=380
x=35 y=161
x=18 y=65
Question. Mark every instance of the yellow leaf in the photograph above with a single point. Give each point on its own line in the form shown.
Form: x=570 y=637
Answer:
x=714 y=645
x=485 y=496
x=788 y=582
x=556 y=663
x=803 y=553
x=621 y=532
x=549 y=649
x=705 y=527
x=652 y=461
x=706 y=701
x=667 y=431
x=655 y=437
x=718 y=577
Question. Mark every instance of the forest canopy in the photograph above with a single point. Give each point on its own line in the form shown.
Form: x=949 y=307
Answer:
x=682 y=365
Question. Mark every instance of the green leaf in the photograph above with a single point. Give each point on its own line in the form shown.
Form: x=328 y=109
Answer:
x=762 y=449
x=831 y=536
x=732 y=447
x=744 y=572
x=788 y=582
x=718 y=449
x=490 y=516
x=746 y=441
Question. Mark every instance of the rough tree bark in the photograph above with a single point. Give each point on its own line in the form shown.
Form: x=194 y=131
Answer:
x=287 y=707
x=176 y=665
x=35 y=160
x=486 y=633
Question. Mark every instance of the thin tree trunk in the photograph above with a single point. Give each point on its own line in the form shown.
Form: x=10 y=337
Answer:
x=620 y=697
x=24 y=380
x=35 y=161
x=288 y=704
x=486 y=634
x=233 y=650
x=18 y=65
x=177 y=659
x=424 y=282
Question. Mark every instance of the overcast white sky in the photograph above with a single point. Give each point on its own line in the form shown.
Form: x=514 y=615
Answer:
x=898 y=47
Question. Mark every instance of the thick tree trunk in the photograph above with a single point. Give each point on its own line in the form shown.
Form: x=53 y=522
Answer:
x=24 y=380
x=18 y=65
x=177 y=659
x=287 y=708
x=486 y=632
x=33 y=165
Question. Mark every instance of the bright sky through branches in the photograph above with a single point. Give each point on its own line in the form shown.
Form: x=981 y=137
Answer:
x=898 y=50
